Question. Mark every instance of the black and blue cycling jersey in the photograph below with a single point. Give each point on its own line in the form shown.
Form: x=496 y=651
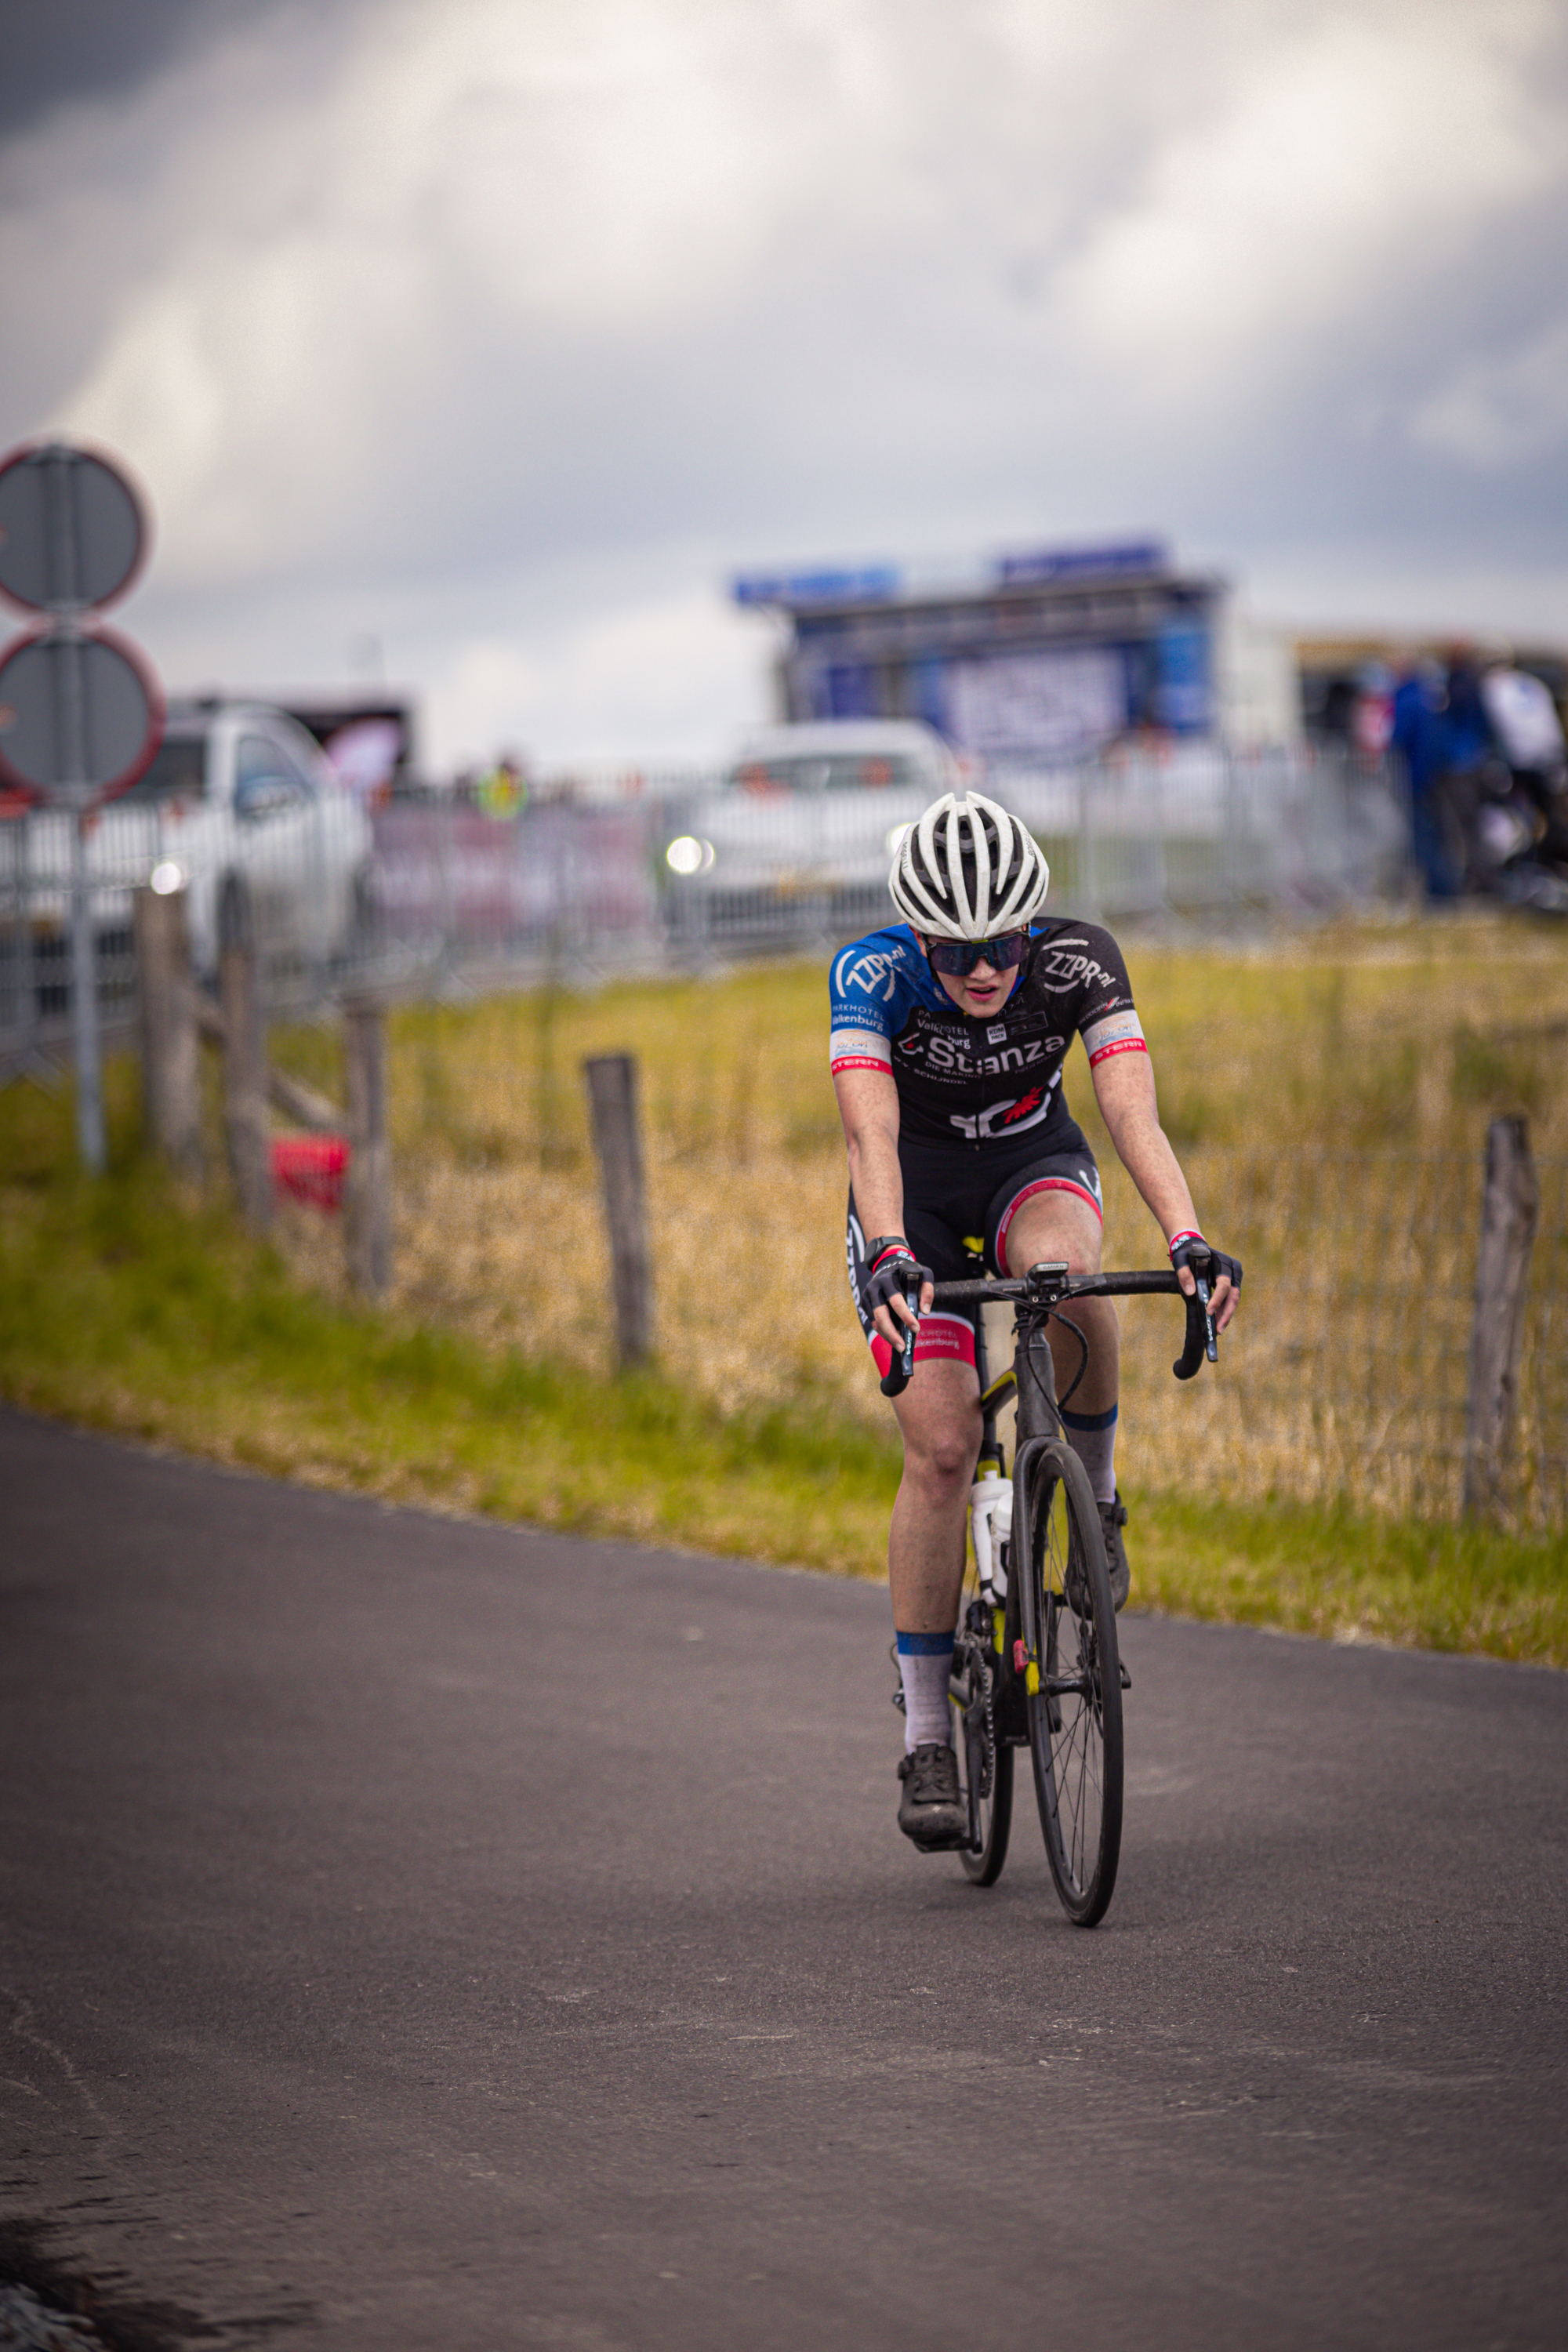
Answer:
x=984 y=1127
x=979 y=1083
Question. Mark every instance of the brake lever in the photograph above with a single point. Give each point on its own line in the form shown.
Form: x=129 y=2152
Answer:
x=900 y=1372
x=1211 y=1337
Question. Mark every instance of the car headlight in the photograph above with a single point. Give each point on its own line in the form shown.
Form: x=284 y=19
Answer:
x=687 y=854
x=896 y=838
x=167 y=877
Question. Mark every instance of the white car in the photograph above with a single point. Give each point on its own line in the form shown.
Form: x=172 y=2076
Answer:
x=800 y=833
x=241 y=811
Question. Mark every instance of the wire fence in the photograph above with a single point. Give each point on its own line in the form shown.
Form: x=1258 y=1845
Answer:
x=1346 y=1375
x=1344 y=1378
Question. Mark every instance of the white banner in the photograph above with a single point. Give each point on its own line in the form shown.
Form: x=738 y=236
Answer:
x=1047 y=705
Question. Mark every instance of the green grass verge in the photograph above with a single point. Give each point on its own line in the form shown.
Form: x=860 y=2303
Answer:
x=125 y=1308
x=120 y=1309
x=1353 y=1576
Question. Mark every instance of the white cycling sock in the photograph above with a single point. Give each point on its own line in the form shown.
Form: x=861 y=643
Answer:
x=1093 y=1436
x=925 y=1663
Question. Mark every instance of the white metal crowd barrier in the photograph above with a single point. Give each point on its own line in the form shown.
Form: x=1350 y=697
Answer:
x=439 y=896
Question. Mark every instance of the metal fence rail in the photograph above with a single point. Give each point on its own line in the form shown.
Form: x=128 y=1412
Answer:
x=441 y=897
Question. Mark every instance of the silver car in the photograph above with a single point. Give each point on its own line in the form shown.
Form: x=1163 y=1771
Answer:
x=241 y=811
x=796 y=839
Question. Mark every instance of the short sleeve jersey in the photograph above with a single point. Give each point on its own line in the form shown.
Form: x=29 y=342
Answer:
x=974 y=1082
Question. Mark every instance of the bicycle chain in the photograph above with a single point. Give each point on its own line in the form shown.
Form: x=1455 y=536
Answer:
x=988 y=1776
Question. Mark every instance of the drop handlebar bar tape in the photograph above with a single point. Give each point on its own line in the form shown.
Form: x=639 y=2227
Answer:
x=1199 y=1340
x=896 y=1379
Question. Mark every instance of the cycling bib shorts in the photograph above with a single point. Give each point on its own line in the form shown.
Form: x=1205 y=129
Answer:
x=952 y=1198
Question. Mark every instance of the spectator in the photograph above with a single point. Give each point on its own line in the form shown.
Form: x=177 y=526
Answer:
x=1528 y=734
x=502 y=789
x=1420 y=736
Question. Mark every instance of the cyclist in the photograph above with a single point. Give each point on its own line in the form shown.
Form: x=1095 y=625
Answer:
x=949 y=1033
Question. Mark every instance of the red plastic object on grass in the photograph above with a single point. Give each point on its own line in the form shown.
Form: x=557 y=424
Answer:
x=311 y=1168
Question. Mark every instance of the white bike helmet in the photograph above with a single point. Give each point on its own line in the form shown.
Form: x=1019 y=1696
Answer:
x=968 y=870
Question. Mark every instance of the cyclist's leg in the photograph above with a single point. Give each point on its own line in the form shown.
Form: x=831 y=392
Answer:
x=938 y=1418
x=1058 y=1223
x=939 y=1415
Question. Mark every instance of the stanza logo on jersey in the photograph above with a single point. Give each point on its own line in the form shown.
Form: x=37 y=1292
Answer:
x=940 y=1051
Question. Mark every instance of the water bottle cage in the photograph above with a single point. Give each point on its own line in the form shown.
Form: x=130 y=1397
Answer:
x=991 y=1526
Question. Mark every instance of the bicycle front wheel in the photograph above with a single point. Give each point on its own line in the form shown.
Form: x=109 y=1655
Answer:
x=1075 y=1704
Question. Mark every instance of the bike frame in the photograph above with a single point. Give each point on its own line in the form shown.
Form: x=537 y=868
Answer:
x=1037 y=1297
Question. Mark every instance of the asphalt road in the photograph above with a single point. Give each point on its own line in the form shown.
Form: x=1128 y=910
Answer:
x=425 y=1934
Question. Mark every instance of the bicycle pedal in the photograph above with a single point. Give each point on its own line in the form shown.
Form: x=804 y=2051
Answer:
x=898 y=1702
x=1126 y=1677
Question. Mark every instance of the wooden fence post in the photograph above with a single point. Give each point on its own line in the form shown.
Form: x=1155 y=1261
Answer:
x=170 y=1076
x=1509 y=1205
x=368 y=1200
x=245 y=1075
x=613 y=1097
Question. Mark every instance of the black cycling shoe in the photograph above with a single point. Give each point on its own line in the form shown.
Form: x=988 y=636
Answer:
x=1112 y=1519
x=932 y=1811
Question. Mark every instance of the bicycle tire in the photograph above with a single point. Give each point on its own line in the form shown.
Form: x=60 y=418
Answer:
x=990 y=1816
x=1074 y=1733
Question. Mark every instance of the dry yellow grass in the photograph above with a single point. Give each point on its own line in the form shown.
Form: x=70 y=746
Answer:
x=1296 y=1081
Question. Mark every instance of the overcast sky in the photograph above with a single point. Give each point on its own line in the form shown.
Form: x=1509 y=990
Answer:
x=502 y=332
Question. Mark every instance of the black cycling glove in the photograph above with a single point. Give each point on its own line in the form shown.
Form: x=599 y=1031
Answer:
x=1192 y=1250
x=894 y=1269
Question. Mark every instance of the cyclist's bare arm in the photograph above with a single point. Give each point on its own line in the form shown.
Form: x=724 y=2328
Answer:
x=1125 y=1089
x=868 y=1106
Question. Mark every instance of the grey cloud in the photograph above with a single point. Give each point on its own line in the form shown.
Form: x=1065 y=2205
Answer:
x=60 y=51
x=454 y=399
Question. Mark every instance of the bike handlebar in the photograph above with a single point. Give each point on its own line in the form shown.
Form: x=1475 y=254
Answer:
x=1201 y=1339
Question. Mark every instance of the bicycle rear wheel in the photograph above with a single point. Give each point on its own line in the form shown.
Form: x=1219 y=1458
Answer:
x=985 y=1768
x=1075 y=1714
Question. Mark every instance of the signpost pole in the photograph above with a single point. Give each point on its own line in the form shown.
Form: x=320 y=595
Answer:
x=84 y=1011
x=72 y=781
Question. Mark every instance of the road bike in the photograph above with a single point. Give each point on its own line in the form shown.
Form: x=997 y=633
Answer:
x=1035 y=1662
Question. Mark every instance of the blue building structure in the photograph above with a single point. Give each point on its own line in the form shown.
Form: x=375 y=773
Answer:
x=1044 y=656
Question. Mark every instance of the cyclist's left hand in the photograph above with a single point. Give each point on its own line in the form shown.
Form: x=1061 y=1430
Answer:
x=884 y=1293
x=1224 y=1274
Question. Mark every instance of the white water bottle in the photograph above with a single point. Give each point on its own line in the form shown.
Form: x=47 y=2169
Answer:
x=991 y=1524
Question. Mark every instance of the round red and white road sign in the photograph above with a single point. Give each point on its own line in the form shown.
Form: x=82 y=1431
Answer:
x=80 y=716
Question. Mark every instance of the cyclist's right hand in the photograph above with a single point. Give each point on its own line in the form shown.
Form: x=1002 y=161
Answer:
x=893 y=1270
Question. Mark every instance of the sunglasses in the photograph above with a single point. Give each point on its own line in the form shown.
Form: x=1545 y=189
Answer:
x=958 y=958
